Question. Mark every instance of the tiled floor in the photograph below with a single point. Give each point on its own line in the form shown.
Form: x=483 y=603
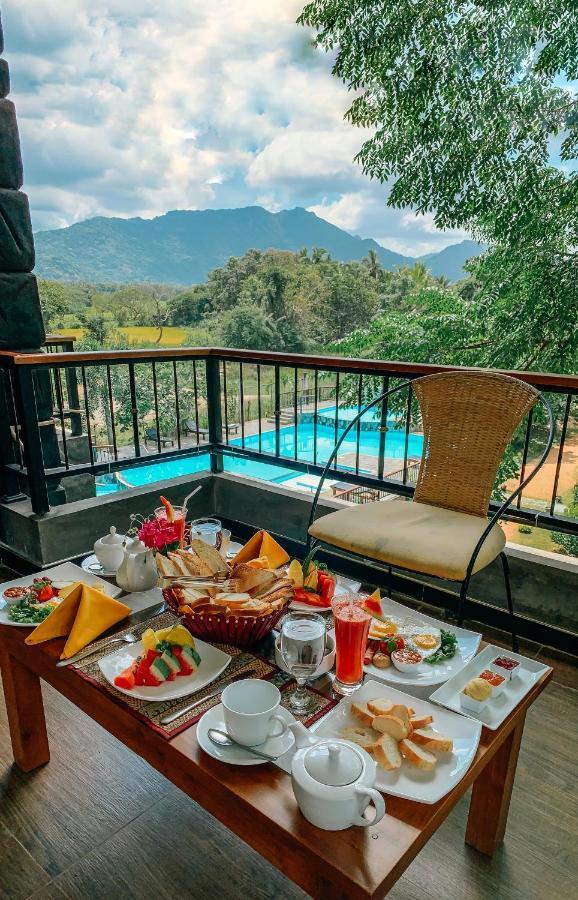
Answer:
x=98 y=822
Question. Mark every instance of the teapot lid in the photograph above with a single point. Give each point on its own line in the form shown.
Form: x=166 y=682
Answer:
x=112 y=537
x=333 y=763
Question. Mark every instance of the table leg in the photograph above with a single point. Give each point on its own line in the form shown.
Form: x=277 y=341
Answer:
x=25 y=710
x=491 y=795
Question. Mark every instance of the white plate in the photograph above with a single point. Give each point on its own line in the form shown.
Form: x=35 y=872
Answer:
x=410 y=782
x=496 y=710
x=92 y=565
x=213 y=663
x=436 y=673
x=65 y=572
x=236 y=756
x=342 y=588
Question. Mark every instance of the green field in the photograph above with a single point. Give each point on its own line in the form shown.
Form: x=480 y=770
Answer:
x=172 y=337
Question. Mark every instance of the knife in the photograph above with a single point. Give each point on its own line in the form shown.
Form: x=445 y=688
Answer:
x=246 y=673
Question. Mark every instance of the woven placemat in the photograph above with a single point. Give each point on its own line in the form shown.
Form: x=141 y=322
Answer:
x=150 y=711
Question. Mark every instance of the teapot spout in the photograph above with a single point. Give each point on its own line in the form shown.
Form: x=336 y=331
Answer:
x=303 y=738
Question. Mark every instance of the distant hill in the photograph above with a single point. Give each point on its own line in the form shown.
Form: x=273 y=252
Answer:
x=449 y=262
x=183 y=246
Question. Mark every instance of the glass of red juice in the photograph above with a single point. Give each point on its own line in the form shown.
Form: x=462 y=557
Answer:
x=178 y=521
x=351 y=630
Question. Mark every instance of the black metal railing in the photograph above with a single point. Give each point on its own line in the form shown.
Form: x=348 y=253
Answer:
x=70 y=413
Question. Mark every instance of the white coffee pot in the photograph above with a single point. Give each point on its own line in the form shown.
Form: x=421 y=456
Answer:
x=333 y=781
x=138 y=570
x=109 y=550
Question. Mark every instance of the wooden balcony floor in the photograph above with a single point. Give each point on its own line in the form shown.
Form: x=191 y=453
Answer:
x=98 y=822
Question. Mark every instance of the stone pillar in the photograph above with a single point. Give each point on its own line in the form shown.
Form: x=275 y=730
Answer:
x=21 y=325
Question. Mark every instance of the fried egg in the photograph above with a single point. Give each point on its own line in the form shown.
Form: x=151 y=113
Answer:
x=425 y=639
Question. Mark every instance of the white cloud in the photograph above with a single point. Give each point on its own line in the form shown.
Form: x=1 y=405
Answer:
x=134 y=108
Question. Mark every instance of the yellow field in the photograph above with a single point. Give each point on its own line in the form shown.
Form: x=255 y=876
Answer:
x=172 y=337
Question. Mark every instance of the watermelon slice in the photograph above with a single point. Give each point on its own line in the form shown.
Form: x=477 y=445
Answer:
x=372 y=605
x=127 y=678
x=186 y=668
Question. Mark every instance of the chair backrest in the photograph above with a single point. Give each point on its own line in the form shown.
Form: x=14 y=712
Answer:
x=468 y=421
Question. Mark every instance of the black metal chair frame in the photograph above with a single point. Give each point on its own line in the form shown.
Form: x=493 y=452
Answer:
x=311 y=543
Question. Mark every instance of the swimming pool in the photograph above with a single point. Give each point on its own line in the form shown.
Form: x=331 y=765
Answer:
x=306 y=434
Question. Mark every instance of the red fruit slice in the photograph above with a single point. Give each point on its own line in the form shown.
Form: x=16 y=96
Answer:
x=186 y=669
x=373 y=606
x=169 y=509
x=127 y=678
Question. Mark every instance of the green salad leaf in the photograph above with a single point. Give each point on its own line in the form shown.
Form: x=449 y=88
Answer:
x=446 y=649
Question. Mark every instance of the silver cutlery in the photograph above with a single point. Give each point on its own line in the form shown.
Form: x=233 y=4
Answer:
x=88 y=651
x=166 y=720
x=222 y=739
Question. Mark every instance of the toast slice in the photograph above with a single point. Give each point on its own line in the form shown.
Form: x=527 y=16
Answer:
x=420 y=721
x=190 y=561
x=232 y=600
x=380 y=707
x=165 y=566
x=361 y=735
x=180 y=565
x=418 y=756
x=401 y=711
x=386 y=753
x=252 y=580
x=210 y=557
x=361 y=712
x=432 y=740
x=391 y=725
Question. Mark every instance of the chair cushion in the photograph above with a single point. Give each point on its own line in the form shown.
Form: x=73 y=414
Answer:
x=416 y=536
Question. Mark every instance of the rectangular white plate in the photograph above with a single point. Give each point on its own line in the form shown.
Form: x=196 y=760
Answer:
x=64 y=572
x=410 y=782
x=437 y=673
x=496 y=710
x=213 y=662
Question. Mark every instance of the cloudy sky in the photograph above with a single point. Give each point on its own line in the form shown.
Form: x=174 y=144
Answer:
x=140 y=107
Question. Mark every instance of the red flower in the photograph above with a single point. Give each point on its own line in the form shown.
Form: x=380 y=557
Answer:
x=159 y=534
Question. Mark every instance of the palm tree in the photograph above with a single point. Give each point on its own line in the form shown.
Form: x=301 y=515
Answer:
x=371 y=261
x=319 y=254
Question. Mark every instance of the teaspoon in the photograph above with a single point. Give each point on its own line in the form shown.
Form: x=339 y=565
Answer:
x=222 y=739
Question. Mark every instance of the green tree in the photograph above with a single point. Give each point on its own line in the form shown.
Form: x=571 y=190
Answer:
x=248 y=326
x=568 y=543
x=466 y=103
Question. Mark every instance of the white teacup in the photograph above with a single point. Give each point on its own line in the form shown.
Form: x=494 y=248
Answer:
x=249 y=708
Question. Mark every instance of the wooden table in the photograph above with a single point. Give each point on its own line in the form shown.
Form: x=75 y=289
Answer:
x=257 y=803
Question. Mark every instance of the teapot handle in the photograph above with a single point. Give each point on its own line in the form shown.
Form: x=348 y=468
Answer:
x=378 y=802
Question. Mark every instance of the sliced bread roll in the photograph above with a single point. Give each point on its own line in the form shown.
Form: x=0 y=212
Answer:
x=210 y=557
x=432 y=740
x=418 y=756
x=380 y=707
x=420 y=721
x=361 y=712
x=402 y=712
x=360 y=734
x=392 y=725
x=180 y=565
x=386 y=753
x=165 y=566
x=252 y=580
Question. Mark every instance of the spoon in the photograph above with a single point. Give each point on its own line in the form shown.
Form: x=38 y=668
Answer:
x=222 y=739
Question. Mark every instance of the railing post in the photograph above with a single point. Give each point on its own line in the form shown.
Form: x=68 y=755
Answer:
x=277 y=411
x=30 y=431
x=214 y=414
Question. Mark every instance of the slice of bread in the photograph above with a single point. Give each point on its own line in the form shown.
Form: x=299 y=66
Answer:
x=361 y=712
x=418 y=756
x=179 y=564
x=420 y=721
x=392 y=725
x=210 y=557
x=252 y=580
x=191 y=562
x=380 y=707
x=360 y=734
x=432 y=740
x=401 y=711
x=232 y=600
x=165 y=566
x=386 y=753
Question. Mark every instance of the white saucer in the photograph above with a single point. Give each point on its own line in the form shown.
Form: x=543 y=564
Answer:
x=92 y=565
x=236 y=756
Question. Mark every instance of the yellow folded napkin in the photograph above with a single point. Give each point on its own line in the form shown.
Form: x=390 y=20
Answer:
x=84 y=614
x=262 y=545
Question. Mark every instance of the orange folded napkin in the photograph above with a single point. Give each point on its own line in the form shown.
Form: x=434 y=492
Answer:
x=84 y=614
x=261 y=546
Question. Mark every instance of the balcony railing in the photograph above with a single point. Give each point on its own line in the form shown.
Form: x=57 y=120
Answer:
x=73 y=413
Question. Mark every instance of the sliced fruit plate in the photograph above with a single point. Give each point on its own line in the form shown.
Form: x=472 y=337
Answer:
x=406 y=647
x=422 y=751
x=164 y=665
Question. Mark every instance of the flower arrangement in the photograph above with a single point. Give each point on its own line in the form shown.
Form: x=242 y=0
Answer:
x=159 y=534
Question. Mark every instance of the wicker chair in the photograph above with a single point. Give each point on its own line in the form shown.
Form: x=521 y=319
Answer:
x=468 y=419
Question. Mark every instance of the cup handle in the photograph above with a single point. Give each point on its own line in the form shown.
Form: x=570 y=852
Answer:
x=284 y=727
x=379 y=804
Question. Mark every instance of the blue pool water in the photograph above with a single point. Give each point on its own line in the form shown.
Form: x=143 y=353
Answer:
x=368 y=447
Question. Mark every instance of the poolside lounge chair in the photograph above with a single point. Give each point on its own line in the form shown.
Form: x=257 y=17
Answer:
x=468 y=418
x=151 y=436
x=191 y=427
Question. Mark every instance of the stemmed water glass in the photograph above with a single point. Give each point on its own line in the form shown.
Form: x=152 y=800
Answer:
x=302 y=649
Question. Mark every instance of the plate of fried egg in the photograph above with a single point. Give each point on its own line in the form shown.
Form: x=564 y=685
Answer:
x=406 y=647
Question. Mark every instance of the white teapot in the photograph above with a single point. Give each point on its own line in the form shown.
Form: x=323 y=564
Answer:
x=109 y=550
x=138 y=570
x=333 y=781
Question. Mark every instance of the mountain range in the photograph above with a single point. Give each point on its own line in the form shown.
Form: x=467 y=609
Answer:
x=183 y=246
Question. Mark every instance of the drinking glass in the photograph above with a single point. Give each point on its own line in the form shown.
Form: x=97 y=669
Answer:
x=351 y=630
x=302 y=649
x=179 y=520
x=208 y=530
